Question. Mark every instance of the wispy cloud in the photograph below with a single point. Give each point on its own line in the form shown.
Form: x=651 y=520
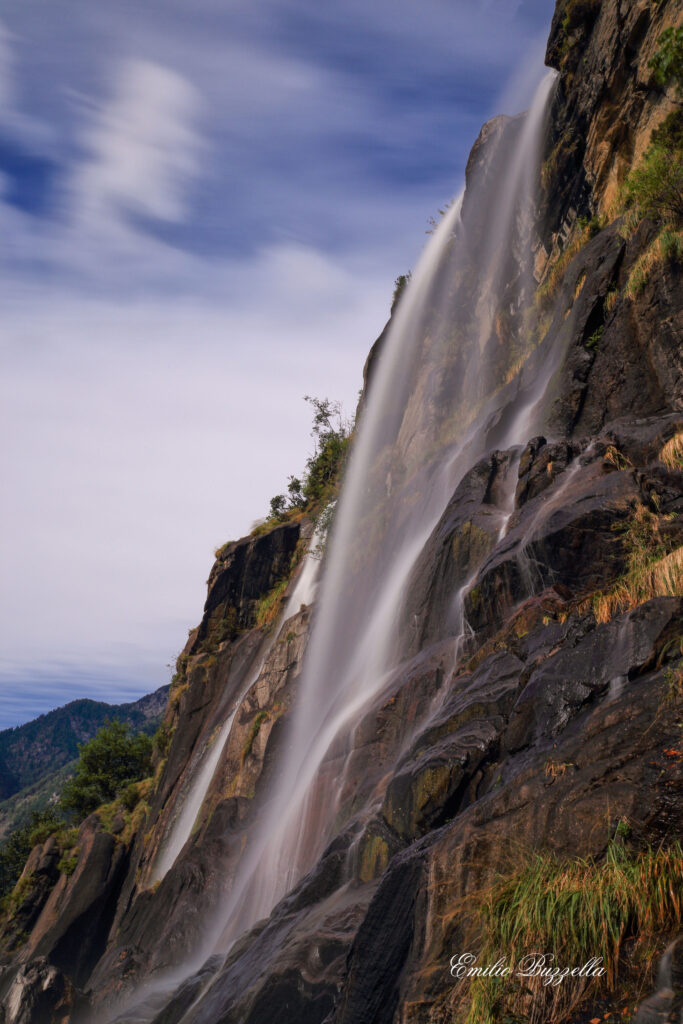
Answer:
x=142 y=149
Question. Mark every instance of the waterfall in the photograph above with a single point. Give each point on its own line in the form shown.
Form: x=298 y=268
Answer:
x=445 y=391
x=411 y=450
x=183 y=823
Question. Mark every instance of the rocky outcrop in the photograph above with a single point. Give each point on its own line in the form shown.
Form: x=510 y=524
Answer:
x=608 y=102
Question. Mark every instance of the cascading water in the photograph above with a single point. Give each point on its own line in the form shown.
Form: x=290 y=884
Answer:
x=181 y=827
x=445 y=392
x=393 y=495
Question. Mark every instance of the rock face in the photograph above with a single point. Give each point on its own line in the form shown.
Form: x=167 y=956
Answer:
x=551 y=723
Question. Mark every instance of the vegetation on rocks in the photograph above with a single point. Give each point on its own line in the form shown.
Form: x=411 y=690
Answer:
x=268 y=607
x=575 y=910
x=16 y=849
x=672 y=452
x=654 y=189
x=108 y=764
x=667 y=63
x=666 y=248
x=331 y=434
x=399 y=287
x=584 y=229
x=653 y=570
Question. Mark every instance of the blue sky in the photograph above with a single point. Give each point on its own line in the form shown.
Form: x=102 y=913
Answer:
x=203 y=208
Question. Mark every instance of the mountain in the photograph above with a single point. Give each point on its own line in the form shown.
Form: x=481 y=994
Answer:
x=34 y=756
x=456 y=739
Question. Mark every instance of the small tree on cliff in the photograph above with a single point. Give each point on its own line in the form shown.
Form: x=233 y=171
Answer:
x=108 y=763
x=330 y=432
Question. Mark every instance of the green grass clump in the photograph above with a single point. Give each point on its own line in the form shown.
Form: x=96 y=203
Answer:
x=654 y=189
x=67 y=863
x=575 y=910
x=253 y=733
x=595 y=339
x=268 y=607
x=667 y=247
x=667 y=63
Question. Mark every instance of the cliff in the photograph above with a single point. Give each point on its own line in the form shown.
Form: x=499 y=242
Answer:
x=526 y=748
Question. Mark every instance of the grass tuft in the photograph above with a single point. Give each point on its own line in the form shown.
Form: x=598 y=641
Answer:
x=672 y=452
x=268 y=607
x=652 y=570
x=666 y=248
x=575 y=910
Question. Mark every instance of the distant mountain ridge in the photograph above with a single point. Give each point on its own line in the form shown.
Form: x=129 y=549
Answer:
x=38 y=749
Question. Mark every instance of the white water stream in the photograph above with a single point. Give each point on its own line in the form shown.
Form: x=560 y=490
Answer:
x=181 y=827
x=375 y=546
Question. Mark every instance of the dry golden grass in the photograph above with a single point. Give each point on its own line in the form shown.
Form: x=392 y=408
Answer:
x=667 y=246
x=547 y=290
x=662 y=577
x=672 y=452
x=611 y=299
x=641 y=270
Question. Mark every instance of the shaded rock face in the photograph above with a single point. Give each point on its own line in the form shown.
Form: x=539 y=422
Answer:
x=534 y=708
x=243 y=573
x=607 y=103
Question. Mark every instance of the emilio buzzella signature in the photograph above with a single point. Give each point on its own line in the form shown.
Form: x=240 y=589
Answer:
x=535 y=965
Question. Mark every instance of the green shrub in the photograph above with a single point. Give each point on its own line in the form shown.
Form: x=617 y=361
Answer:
x=161 y=741
x=67 y=863
x=667 y=63
x=591 y=226
x=107 y=765
x=671 y=244
x=399 y=287
x=595 y=339
x=331 y=434
x=18 y=845
x=654 y=189
x=130 y=797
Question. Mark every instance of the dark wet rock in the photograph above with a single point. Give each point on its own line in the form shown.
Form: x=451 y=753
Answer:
x=40 y=994
x=465 y=535
x=604 y=371
x=380 y=950
x=188 y=992
x=540 y=466
x=244 y=572
x=665 y=1006
x=568 y=537
x=288 y=968
x=431 y=788
x=609 y=656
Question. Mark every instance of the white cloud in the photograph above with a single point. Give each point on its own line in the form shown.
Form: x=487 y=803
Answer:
x=143 y=148
x=140 y=436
